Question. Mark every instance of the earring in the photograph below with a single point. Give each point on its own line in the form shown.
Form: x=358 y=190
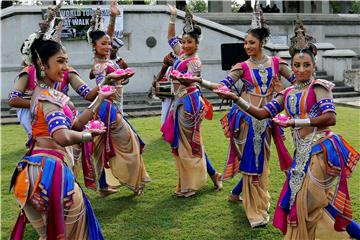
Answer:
x=94 y=50
x=42 y=72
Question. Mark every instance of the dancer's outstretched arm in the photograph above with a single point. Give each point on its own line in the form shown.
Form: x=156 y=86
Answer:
x=114 y=11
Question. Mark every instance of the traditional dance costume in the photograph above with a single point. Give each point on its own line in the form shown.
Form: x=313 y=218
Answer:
x=320 y=158
x=44 y=185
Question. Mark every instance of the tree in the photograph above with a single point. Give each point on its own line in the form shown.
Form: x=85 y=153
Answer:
x=356 y=7
x=198 y=6
x=235 y=6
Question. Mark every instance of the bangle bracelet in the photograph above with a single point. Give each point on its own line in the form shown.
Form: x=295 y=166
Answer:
x=172 y=19
x=86 y=137
x=244 y=105
x=205 y=83
x=302 y=122
x=94 y=106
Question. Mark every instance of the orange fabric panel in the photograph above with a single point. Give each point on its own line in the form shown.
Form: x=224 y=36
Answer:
x=22 y=185
x=40 y=127
x=209 y=109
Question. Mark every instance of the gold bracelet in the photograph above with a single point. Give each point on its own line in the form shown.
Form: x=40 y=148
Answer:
x=302 y=122
x=86 y=137
x=95 y=105
x=172 y=19
x=205 y=83
x=244 y=105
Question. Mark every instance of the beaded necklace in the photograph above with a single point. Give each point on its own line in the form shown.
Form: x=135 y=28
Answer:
x=43 y=85
x=302 y=85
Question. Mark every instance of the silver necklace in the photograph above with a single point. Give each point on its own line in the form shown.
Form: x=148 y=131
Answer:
x=302 y=85
x=302 y=155
x=101 y=59
x=260 y=61
x=43 y=85
x=262 y=70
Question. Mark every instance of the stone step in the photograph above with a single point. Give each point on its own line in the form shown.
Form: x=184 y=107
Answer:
x=338 y=83
x=319 y=73
x=326 y=77
x=346 y=94
x=8 y=121
x=343 y=89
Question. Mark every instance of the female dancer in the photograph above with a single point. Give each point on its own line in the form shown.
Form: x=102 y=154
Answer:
x=321 y=155
x=250 y=138
x=182 y=127
x=118 y=153
x=43 y=184
x=20 y=96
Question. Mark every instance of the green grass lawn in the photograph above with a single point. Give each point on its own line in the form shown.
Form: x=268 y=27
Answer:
x=159 y=215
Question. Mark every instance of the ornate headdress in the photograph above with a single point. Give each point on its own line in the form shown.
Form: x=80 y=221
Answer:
x=50 y=29
x=257 y=20
x=96 y=24
x=301 y=41
x=188 y=22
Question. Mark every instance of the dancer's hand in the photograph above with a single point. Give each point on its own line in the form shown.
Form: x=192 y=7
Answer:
x=172 y=9
x=115 y=76
x=96 y=132
x=114 y=10
x=276 y=83
x=227 y=95
x=287 y=123
x=129 y=75
x=106 y=94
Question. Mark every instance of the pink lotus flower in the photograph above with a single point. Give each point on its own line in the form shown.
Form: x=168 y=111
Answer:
x=129 y=70
x=95 y=124
x=106 y=88
x=175 y=73
x=222 y=89
x=187 y=75
x=120 y=72
x=282 y=117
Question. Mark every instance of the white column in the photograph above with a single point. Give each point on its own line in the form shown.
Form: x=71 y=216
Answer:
x=219 y=6
x=307 y=6
x=325 y=7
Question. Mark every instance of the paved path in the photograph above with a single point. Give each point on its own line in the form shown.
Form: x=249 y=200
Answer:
x=349 y=102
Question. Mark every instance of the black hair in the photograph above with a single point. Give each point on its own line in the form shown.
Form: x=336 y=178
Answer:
x=44 y=49
x=195 y=34
x=311 y=51
x=262 y=34
x=96 y=35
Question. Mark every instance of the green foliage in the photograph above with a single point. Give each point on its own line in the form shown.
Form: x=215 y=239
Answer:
x=160 y=215
x=235 y=6
x=336 y=6
x=356 y=6
x=150 y=2
x=125 y=2
x=197 y=5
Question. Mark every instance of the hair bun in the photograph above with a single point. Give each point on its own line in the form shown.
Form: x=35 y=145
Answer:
x=96 y=35
x=266 y=32
x=313 y=48
x=197 y=30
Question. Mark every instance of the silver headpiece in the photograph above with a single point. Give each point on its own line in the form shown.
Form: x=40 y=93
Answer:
x=50 y=29
x=257 y=20
x=301 y=41
x=188 y=22
x=96 y=24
